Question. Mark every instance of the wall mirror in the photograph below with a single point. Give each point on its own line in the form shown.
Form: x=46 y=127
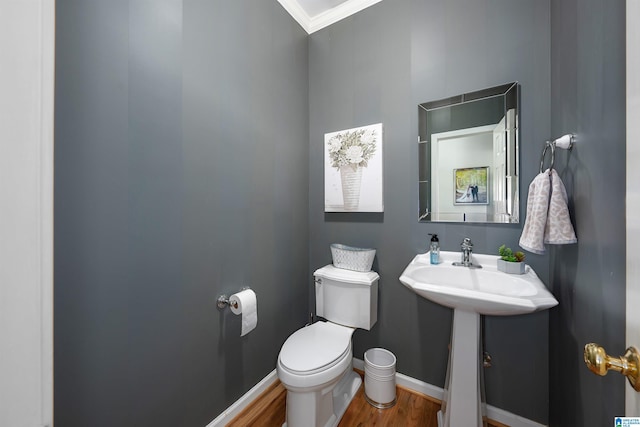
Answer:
x=468 y=157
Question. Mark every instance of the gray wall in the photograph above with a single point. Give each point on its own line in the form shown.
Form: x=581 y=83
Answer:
x=181 y=173
x=588 y=97
x=377 y=66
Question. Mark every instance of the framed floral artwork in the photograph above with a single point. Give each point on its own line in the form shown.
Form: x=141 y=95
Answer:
x=353 y=170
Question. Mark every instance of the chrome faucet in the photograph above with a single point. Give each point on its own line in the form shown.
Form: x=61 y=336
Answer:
x=467 y=249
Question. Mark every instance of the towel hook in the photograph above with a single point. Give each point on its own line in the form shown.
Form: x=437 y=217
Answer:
x=544 y=153
x=565 y=142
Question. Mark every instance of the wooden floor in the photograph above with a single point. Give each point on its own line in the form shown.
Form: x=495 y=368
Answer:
x=411 y=410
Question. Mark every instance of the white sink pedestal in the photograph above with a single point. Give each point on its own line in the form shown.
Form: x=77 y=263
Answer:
x=462 y=405
x=471 y=292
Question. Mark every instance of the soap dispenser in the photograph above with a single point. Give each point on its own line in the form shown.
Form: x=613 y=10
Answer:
x=434 y=249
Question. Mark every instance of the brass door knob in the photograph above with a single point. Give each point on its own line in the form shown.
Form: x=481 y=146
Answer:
x=599 y=362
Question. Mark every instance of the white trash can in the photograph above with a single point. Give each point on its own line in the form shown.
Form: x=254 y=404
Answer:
x=380 y=377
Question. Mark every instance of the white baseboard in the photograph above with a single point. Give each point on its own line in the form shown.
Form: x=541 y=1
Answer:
x=402 y=380
x=240 y=404
x=418 y=386
x=510 y=419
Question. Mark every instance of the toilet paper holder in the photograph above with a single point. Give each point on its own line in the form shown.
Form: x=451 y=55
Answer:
x=223 y=300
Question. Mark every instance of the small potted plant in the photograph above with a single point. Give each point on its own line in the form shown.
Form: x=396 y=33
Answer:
x=510 y=262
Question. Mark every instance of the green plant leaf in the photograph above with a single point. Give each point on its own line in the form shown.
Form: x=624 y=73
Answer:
x=507 y=254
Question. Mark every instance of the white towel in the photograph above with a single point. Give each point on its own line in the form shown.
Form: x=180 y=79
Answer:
x=548 y=219
x=558 y=230
x=532 y=238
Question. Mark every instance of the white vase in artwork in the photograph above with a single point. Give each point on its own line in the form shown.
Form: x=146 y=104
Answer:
x=351 y=178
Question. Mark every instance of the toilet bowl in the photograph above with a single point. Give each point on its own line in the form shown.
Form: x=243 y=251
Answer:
x=315 y=362
x=315 y=355
x=315 y=366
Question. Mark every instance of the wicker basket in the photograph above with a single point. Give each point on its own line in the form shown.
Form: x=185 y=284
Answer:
x=349 y=258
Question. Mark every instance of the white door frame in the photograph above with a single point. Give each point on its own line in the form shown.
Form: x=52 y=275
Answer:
x=436 y=194
x=27 y=32
x=632 y=398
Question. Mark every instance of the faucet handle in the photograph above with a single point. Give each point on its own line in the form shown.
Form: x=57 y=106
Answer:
x=466 y=243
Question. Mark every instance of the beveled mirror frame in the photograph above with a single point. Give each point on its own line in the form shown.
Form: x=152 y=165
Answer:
x=480 y=128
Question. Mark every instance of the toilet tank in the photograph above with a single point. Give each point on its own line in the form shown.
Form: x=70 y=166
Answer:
x=346 y=297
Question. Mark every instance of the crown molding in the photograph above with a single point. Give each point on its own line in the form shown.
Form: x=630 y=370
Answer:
x=331 y=16
x=297 y=12
x=338 y=13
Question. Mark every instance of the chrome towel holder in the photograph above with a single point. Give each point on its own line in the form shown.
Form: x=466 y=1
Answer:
x=565 y=142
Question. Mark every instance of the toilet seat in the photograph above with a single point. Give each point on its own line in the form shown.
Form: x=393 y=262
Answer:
x=315 y=348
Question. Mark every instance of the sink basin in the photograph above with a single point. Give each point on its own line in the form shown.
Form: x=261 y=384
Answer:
x=485 y=290
x=471 y=292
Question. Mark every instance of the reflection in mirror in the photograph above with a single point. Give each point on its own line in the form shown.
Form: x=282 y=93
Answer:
x=468 y=157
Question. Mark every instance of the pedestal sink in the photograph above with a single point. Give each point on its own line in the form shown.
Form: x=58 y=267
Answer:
x=471 y=293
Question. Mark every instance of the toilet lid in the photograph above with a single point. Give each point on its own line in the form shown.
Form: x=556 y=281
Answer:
x=315 y=347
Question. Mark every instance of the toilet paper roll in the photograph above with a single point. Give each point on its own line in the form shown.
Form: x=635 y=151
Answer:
x=246 y=304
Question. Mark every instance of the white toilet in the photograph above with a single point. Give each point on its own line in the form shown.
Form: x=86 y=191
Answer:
x=315 y=362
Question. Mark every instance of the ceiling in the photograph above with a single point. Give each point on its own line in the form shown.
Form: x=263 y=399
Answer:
x=314 y=15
